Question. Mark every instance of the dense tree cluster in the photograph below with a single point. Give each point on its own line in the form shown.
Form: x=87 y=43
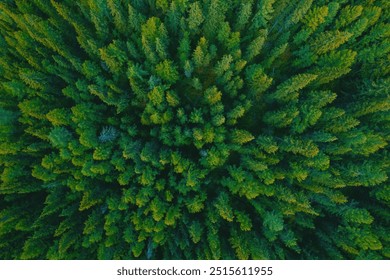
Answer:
x=181 y=129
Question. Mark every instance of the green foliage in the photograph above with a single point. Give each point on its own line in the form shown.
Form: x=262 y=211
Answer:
x=241 y=136
x=167 y=72
x=195 y=16
x=194 y=129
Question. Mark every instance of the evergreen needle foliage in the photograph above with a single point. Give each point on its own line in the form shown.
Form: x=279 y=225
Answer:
x=181 y=129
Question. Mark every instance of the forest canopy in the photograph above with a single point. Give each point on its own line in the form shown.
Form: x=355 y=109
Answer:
x=181 y=129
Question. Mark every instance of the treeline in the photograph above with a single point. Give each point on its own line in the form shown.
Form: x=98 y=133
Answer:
x=210 y=129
